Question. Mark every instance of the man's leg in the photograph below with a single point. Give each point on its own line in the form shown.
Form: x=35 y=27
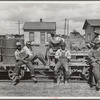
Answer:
x=96 y=71
x=16 y=71
x=17 y=67
x=31 y=68
x=65 y=65
x=57 y=66
x=40 y=57
x=46 y=54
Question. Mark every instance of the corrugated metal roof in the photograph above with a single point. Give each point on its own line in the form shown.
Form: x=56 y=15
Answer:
x=92 y=22
x=40 y=25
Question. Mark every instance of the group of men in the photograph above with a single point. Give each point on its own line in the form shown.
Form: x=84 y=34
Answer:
x=62 y=55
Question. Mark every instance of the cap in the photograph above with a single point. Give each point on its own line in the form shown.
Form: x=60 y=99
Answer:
x=96 y=32
x=63 y=44
x=18 y=43
x=28 y=42
x=52 y=33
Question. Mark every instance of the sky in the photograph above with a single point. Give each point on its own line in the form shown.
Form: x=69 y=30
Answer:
x=77 y=12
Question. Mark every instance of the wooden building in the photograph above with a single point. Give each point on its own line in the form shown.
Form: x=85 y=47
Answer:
x=38 y=32
x=90 y=26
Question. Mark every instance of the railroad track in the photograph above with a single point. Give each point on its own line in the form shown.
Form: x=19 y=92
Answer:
x=45 y=81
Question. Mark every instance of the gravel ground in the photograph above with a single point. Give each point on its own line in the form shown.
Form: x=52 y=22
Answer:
x=47 y=90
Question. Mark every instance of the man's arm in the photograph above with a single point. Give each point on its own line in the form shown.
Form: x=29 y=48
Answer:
x=92 y=58
x=52 y=41
x=57 y=54
x=67 y=54
x=17 y=56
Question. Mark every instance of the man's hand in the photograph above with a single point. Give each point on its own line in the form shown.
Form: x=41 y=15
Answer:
x=68 y=60
x=25 y=61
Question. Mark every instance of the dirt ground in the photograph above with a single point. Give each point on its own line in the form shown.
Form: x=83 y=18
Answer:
x=47 y=90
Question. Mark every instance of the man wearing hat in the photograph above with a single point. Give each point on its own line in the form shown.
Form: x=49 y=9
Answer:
x=63 y=55
x=28 y=58
x=96 y=37
x=22 y=58
x=28 y=50
x=18 y=50
x=53 y=43
x=94 y=56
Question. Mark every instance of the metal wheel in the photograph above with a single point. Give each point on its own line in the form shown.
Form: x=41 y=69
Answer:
x=86 y=73
x=11 y=74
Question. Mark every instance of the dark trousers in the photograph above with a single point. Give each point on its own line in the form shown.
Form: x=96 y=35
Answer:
x=28 y=64
x=38 y=56
x=96 y=74
x=46 y=54
x=92 y=80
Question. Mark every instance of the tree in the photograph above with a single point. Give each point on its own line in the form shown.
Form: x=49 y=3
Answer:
x=75 y=32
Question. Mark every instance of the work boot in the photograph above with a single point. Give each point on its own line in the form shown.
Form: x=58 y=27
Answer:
x=15 y=80
x=93 y=87
x=97 y=89
x=34 y=79
x=55 y=80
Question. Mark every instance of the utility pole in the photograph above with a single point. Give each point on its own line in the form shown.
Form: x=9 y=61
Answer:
x=65 y=28
x=19 y=28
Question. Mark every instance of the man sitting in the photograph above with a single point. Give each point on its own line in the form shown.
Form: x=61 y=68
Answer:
x=28 y=58
x=63 y=56
x=54 y=44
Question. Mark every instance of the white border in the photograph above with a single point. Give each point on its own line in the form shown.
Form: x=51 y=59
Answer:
x=50 y=2
x=58 y=2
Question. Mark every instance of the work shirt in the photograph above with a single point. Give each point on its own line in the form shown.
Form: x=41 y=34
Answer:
x=62 y=54
x=28 y=51
x=94 y=55
x=53 y=41
x=17 y=57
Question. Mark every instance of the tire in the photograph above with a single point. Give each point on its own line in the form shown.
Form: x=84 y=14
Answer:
x=11 y=73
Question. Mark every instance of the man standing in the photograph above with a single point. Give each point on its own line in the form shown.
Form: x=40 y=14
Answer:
x=94 y=56
x=63 y=55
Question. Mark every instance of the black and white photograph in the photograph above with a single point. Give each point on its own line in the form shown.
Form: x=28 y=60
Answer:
x=50 y=49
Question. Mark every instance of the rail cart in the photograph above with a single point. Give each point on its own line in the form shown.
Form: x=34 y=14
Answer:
x=78 y=68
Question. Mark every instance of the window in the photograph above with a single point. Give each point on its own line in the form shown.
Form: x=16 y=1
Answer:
x=89 y=37
x=42 y=37
x=31 y=36
x=48 y=36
